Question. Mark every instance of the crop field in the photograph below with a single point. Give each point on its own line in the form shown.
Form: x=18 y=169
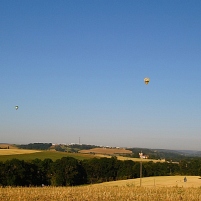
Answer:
x=26 y=155
x=4 y=152
x=124 y=192
x=159 y=181
x=23 y=154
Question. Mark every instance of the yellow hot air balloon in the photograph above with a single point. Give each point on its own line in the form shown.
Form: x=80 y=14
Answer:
x=146 y=80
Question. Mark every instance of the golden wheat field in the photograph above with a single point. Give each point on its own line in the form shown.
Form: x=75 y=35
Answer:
x=4 y=152
x=95 y=193
x=124 y=191
x=159 y=181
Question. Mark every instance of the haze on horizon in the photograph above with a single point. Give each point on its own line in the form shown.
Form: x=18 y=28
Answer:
x=77 y=68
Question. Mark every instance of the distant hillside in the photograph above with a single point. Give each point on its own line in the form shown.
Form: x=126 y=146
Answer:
x=7 y=146
x=190 y=153
x=169 y=155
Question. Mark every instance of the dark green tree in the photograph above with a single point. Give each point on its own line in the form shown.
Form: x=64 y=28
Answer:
x=67 y=171
x=42 y=171
x=15 y=173
x=125 y=169
x=2 y=174
x=93 y=170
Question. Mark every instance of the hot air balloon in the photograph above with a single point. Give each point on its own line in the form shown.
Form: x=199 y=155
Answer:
x=16 y=107
x=146 y=80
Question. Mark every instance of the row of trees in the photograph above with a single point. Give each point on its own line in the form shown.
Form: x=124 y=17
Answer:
x=60 y=147
x=69 y=171
x=39 y=146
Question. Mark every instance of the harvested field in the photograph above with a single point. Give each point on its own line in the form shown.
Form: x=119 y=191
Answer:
x=109 y=151
x=16 y=151
x=159 y=181
x=101 y=192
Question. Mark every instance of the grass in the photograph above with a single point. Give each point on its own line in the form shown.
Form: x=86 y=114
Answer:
x=27 y=156
x=121 y=192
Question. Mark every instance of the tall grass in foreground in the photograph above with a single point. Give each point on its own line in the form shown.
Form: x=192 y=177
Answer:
x=99 y=193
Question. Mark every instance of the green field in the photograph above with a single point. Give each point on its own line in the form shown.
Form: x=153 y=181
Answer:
x=45 y=154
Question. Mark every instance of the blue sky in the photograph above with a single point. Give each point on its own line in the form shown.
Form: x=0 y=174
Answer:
x=76 y=69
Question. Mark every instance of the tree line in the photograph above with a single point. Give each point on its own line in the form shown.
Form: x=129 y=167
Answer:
x=69 y=171
x=38 y=146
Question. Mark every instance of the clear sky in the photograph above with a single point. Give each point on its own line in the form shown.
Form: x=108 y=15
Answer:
x=76 y=68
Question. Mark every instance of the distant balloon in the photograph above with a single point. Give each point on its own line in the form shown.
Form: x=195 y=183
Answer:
x=16 y=107
x=146 y=80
